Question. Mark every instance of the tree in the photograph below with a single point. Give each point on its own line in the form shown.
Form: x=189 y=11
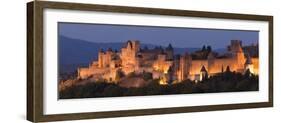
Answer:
x=203 y=48
x=227 y=69
x=209 y=48
x=147 y=76
x=132 y=74
x=119 y=74
x=248 y=73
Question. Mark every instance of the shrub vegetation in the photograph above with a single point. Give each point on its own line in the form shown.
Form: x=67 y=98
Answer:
x=224 y=82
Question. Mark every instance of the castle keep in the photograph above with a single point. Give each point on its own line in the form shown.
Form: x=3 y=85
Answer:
x=166 y=66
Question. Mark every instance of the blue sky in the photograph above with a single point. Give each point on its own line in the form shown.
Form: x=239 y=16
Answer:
x=178 y=37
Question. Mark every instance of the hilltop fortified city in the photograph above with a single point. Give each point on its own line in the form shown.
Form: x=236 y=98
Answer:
x=108 y=60
x=165 y=65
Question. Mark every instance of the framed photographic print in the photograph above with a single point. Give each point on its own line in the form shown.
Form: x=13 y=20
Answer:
x=97 y=61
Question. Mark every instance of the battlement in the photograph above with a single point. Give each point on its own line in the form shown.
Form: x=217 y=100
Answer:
x=133 y=45
x=164 y=65
x=236 y=46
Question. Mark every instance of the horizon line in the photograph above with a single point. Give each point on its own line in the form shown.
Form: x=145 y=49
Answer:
x=155 y=45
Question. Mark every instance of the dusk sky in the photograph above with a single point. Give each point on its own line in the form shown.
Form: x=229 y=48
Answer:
x=178 y=37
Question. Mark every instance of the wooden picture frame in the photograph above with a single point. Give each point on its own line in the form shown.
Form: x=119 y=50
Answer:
x=35 y=46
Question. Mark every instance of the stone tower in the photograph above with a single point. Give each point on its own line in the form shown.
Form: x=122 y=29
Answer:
x=104 y=58
x=184 y=67
x=136 y=46
x=129 y=52
x=237 y=54
x=211 y=61
x=170 y=52
x=100 y=58
x=249 y=64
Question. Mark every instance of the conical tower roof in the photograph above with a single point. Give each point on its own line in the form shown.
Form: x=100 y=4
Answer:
x=203 y=69
x=169 y=47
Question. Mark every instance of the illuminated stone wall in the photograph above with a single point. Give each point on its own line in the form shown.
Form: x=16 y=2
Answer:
x=256 y=65
x=158 y=61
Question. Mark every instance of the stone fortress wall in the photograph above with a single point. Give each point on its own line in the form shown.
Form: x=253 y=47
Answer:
x=163 y=64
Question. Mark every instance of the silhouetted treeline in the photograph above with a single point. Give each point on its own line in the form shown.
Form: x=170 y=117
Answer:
x=224 y=82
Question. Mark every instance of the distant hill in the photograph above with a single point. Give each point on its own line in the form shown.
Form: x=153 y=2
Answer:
x=75 y=52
